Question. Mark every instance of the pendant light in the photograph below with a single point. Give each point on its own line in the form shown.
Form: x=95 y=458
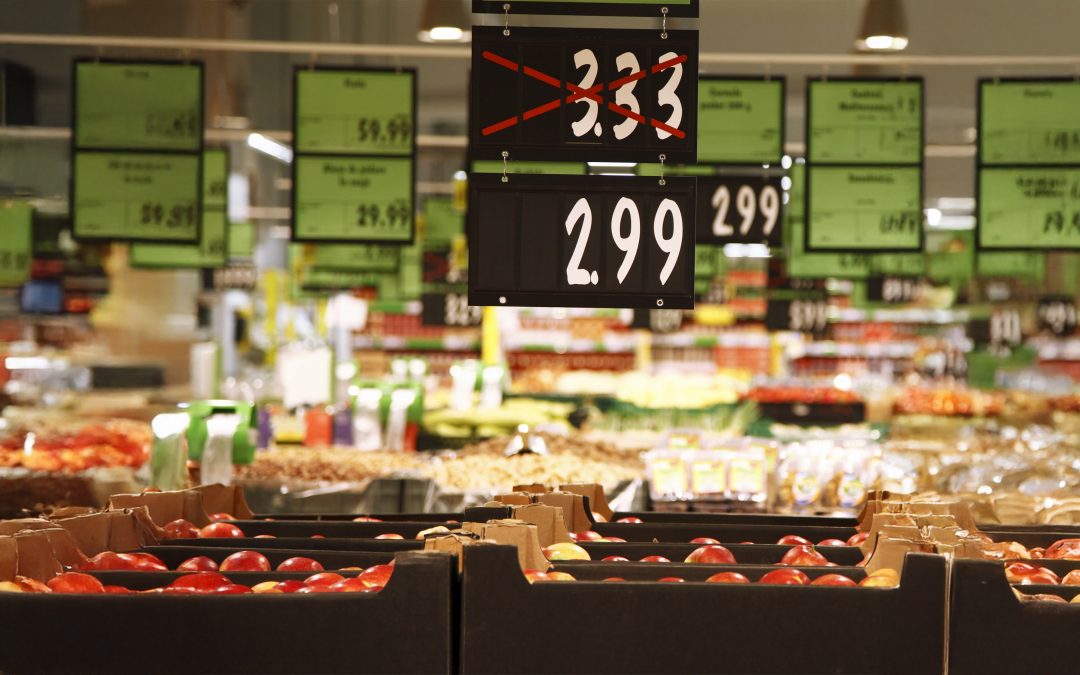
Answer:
x=444 y=21
x=884 y=27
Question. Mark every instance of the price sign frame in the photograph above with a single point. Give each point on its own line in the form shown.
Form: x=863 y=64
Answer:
x=218 y=211
x=679 y=8
x=711 y=206
x=704 y=80
x=864 y=166
x=569 y=249
x=22 y=217
x=980 y=109
x=1068 y=319
x=895 y=289
x=995 y=331
x=540 y=92
x=77 y=151
x=778 y=314
x=434 y=308
x=372 y=156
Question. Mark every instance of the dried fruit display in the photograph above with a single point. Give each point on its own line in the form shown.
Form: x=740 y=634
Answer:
x=110 y=444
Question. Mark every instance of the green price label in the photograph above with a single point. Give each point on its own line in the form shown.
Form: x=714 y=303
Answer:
x=16 y=225
x=356 y=112
x=899 y=264
x=215 y=179
x=495 y=166
x=869 y=209
x=353 y=199
x=210 y=252
x=1029 y=208
x=138 y=106
x=950 y=256
x=1029 y=122
x=740 y=121
x=357 y=257
x=442 y=220
x=865 y=122
x=803 y=265
x=136 y=196
x=241 y=240
x=1013 y=264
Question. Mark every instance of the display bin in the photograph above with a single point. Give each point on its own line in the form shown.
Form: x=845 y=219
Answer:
x=697 y=517
x=756 y=554
x=724 y=533
x=991 y=631
x=814 y=414
x=584 y=570
x=408 y=627
x=173 y=555
x=510 y=626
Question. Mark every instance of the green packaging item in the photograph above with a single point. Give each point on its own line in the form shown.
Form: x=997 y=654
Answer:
x=168 y=454
x=243 y=439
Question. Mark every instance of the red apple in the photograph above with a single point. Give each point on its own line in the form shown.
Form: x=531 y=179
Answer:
x=785 y=577
x=1026 y=573
x=794 y=540
x=1036 y=553
x=619 y=540
x=655 y=559
x=265 y=536
x=728 y=578
x=390 y=535
x=116 y=590
x=75 y=582
x=532 y=576
x=1063 y=549
x=108 y=560
x=353 y=585
x=677 y=580
x=324 y=579
x=202 y=582
x=703 y=540
x=221 y=531
x=614 y=579
x=833 y=580
x=300 y=565
x=630 y=519
x=588 y=535
x=858 y=538
x=319 y=536
x=144 y=562
x=180 y=529
x=245 y=561
x=221 y=517
x=199 y=563
x=804 y=556
x=713 y=554
x=290 y=585
x=832 y=542
x=366 y=519
x=615 y=558
x=231 y=589
x=377 y=575
x=317 y=589
x=1071 y=579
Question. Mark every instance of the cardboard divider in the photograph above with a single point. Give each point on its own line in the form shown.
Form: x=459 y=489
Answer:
x=165 y=507
x=517 y=533
x=331 y=560
x=991 y=631
x=118 y=531
x=759 y=554
x=408 y=627
x=683 y=532
x=638 y=571
x=716 y=628
x=229 y=499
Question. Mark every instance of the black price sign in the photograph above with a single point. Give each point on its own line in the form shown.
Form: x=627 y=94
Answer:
x=949 y=362
x=449 y=309
x=568 y=94
x=897 y=290
x=809 y=315
x=1002 y=329
x=581 y=241
x=658 y=320
x=1057 y=315
x=657 y=8
x=739 y=210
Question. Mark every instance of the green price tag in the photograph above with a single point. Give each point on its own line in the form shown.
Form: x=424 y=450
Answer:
x=803 y=265
x=16 y=225
x=1029 y=122
x=495 y=166
x=138 y=106
x=740 y=121
x=1013 y=264
x=371 y=112
x=136 y=196
x=899 y=263
x=865 y=121
x=210 y=252
x=241 y=240
x=864 y=208
x=353 y=199
x=1030 y=208
x=443 y=222
x=357 y=257
x=215 y=179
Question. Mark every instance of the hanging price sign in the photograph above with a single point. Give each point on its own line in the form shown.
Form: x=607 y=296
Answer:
x=1029 y=122
x=357 y=257
x=212 y=250
x=896 y=290
x=449 y=309
x=1029 y=208
x=864 y=209
x=16 y=225
x=1002 y=329
x=1057 y=315
x=740 y=120
x=657 y=8
x=739 y=209
x=802 y=316
x=568 y=94
x=136 y=149
x=853 y=121
x=659 y=321
x=803 y=265
x=354 y=171
x=581 y=241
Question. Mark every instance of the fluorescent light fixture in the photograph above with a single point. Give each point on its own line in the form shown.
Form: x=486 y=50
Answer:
x=933 y=217
x=269 y=146
x=746 y=250
x=612 y=165
x=883 y=28
x=444 y=21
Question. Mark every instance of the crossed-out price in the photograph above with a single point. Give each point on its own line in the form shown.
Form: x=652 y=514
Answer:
x=397 y=129
x=625 y=212
x=371 y=215
x=179 y=215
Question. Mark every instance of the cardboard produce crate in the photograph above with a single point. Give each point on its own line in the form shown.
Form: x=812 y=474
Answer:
x=510 y=626
x=407 y=627
x=173 y=555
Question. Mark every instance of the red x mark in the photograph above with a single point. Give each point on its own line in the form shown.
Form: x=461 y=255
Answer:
x=577 y=93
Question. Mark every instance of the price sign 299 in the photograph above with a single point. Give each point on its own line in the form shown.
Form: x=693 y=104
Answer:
x=739 y=210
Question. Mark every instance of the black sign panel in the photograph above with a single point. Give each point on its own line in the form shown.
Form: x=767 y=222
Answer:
x=657 y=8
x=658 y=320
x=740 y=210
x=892 y=289
x=581 y=241
x=948 y=362
x=1002 y=329
x=1057 y=314
x=810 y=315
x=449 y=309
x=597 y=95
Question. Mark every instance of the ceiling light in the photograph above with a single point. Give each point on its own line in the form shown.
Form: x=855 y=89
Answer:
x=884 y=27
x=269 y=146
x=444 y=21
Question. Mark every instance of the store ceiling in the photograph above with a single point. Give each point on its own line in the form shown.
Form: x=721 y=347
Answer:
x=257 y=86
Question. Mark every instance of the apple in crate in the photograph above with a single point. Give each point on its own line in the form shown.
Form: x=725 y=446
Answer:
x=1026 y=573
x=221 y=531
x=793 y=540
x=201 y=582
x=300 y=564
x=181 y=529
x=713 y=554
x=703 y=540
x=566 y=551
x=655 y=559
x=630 y=519
x=245 y=561
x=75 y=582
x=832 y=542
x=804 y=556
x=728 y=578
x=788 y=577
x=833 y=580
x=199 y=563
